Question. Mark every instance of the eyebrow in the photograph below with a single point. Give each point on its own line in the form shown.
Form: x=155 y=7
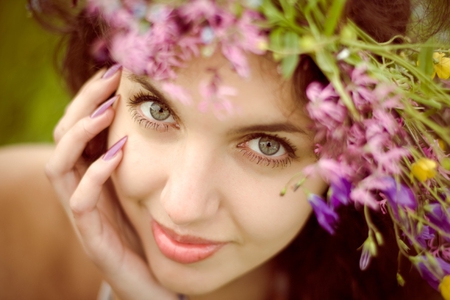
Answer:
x=286 y=127
x=275 y=127
x=149 y=87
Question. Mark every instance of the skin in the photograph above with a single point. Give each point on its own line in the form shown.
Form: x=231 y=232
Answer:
x=207 y=185
x=54 y=251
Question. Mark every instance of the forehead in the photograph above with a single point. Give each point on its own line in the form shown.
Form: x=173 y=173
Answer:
x=265 y=94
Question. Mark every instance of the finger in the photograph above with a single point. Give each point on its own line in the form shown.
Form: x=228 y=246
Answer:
x=83 y=202
x=71 y=146
x=93 y=92
x=126 y=271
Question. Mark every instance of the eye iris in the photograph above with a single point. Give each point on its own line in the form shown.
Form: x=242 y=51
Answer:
x=268 y=146
x=159 y=111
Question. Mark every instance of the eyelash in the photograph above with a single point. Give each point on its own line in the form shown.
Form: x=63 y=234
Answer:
x=250 y=154
x=267 y=160
x=137 y=116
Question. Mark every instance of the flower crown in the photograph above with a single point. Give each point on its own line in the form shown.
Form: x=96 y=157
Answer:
x=382 y=122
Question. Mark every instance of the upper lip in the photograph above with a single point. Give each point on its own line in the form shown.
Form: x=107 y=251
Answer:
x=186 y=239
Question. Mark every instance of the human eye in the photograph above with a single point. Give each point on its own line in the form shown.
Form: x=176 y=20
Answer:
x=150 y=112
x=268 y=150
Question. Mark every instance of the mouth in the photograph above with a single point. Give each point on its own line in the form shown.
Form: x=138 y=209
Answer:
x=183 y=248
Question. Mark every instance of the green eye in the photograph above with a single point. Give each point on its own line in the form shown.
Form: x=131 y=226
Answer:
x=158 y=111
x=268 y=146
x=155 y=110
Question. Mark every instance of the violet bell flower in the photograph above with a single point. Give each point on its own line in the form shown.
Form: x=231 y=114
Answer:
x=325 y=215
x=425 y=268
x=339 y=192
x=398 y=195
x=438 y=217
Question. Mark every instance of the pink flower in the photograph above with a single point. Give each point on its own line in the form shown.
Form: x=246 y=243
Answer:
x=215 y=96
x=390 y=161
x=386 y=119
x=177 y=92
x=129 y=49
x=198 y=10
x=237 y=58
x=364 y=197
x=324 y=106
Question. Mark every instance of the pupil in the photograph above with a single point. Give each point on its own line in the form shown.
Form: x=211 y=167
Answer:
x=159 y=111
x=268 y=146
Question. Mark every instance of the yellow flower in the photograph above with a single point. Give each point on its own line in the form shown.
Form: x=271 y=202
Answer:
x=444 y=287
x=441 y=65
x=441 y=144
x=424 y=169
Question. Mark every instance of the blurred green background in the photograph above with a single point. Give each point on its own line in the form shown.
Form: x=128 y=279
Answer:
x=33 y=96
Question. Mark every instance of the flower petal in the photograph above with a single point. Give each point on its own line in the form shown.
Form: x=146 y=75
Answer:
x=326 y=216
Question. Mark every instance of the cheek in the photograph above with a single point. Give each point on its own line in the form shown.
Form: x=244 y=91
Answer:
x=143 y=169
x=267 y=220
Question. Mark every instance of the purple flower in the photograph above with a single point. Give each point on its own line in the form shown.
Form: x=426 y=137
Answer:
x=398 y=195
x=431 y=273
x=339 y=192
x=438 y=217
x=326 y=216
x=425 y=235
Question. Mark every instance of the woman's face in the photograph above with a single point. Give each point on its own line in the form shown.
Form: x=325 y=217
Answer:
x=202 y=192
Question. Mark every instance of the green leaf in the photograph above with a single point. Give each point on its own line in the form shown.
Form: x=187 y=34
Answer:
x=289 y=64
x=291 y=41
x=333 y=16
x=426 y=60
x=276 y=39
x=326 y=62
x=272 y=13
x=289 y=9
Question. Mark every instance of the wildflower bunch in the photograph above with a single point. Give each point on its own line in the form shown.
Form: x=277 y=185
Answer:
x=382 y=121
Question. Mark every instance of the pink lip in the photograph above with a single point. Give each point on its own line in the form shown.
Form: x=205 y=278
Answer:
x=183 y=248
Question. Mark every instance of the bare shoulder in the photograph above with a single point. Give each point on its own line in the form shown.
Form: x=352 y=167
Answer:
x=40 y=256
x=21 y=162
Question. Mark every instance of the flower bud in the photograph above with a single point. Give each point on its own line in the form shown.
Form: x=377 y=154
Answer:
x=307 y=43
x=348 y=33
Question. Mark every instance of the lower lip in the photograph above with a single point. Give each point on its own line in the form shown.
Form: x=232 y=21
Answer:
x=185 y=253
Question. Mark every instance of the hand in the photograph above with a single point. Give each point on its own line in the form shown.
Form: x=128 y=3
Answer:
x=87 y=194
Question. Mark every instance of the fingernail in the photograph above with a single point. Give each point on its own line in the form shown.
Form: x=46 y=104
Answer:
x=115 y=148
x=111 y=71
x=102 y=108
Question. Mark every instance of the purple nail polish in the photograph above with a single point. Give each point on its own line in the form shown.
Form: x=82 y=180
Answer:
x=102 y=108
x=115 y=148
x=111 y=71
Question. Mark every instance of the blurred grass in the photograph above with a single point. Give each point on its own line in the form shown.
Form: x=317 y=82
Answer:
x=32 y=95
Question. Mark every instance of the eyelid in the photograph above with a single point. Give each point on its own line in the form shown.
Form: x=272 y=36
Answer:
x=134 y=103
x=275 y=161
x=289 y=147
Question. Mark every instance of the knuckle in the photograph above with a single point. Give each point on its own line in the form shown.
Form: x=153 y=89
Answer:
x=89 y=89
x=58 y=132
x=95 y=175
x=50 y=171
x=87 y=129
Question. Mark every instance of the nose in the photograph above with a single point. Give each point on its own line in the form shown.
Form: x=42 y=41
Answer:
x=191 y=191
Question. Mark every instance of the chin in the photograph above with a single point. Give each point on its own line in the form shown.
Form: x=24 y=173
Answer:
x=200 y=278
x=189 y=285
